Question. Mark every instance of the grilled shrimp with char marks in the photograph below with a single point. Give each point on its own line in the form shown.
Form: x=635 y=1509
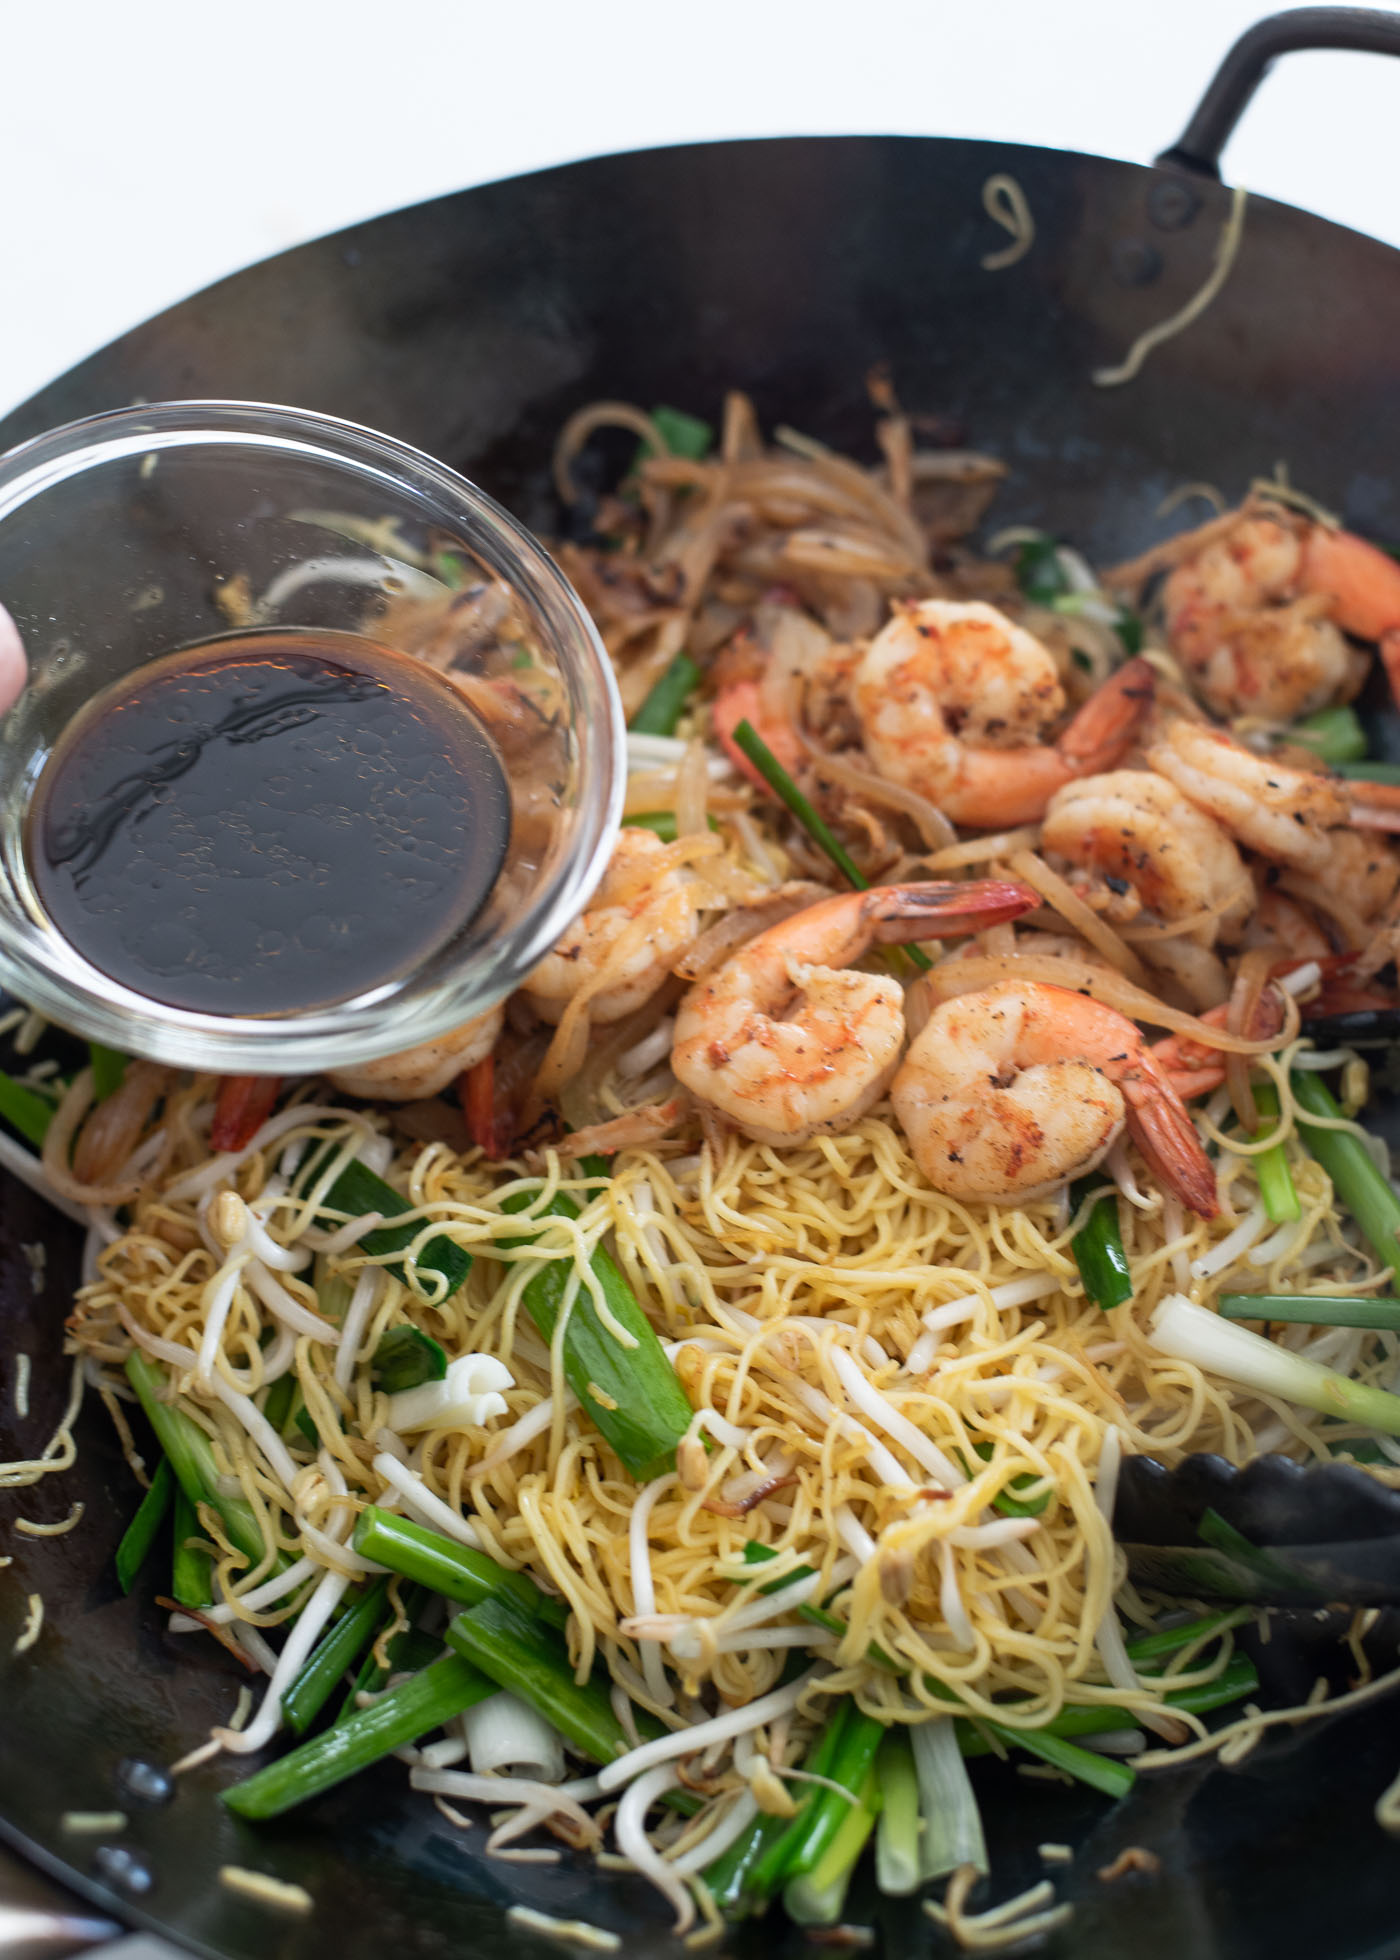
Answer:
x=1010 y=1091
x=785 y=1043
x=954 y=700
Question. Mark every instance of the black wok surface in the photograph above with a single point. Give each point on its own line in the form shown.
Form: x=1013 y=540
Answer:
x=472 y=326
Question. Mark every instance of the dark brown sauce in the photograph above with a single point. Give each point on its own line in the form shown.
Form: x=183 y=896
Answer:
x=268 y=822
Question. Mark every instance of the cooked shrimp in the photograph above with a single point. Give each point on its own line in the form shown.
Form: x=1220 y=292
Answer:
x=1009 y=1092
x=1282 y=922
x=785 y=1044
x=1136 y=828
x=1250 y=628
x=427 y=1069
x=1281 y=812
x=955 y=701
x=643 y=914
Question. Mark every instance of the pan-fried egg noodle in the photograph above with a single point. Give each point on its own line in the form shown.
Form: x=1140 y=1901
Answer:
x=775 y=1285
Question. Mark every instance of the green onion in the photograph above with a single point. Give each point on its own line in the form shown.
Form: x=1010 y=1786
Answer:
x=640 y=1406
x=1280 y=1200
x=443 y=1566
x=952 y=1833
x=1026 y=1496
x=816 y=1898
x=662 y=823
x=1236 y=1680
x=1153 y=1646
x=897 y=1844
x=280 y=1400
x=357 y=1191
x=752 y=744
x=451 y=568
x=1038 y=571
x=191 y=1562
x=140 y=1534
x=108 y=1070
x=1363 y=1189
x=685 y=435
x=24 y=1110
x=1103 y=1773
x=443 y=1690
x=851 y=1740
x=1098 y=1249
x=1221 y=1347
x=1312 y=1310
x=1129 y=628
x=334 y=1655
x=518 y=1651
x=406 y=1357
x=664 y=706
x=1369 y=772
x=727 y=1879
x=409 y=1650
x=1333 y=734
x=192 y=1459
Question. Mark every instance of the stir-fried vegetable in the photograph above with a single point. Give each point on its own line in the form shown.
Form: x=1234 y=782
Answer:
x=357 y=1192
x=454 y=1571
x=666 y=703
x=629 y=1388
x=444 y=1689
x=1312 y=1309
x=24 y=1109
x=140 y=1534
x=1098 y=1249
x=1276 y=1187
x=1362 y=1188
x=337 y=1652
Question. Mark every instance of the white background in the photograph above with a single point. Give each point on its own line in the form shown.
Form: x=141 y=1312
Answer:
x=150 y=146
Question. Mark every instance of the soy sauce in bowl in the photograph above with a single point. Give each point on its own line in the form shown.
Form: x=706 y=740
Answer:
x=268 y=822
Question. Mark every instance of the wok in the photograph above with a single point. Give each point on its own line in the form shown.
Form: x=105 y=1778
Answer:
x=472 y=325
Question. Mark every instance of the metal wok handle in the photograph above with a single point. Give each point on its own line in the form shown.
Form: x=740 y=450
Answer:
x=1249 y=60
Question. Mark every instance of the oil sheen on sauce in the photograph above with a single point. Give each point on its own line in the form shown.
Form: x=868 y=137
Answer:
x=268 y=822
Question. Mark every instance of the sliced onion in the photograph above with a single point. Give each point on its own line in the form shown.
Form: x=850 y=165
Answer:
x=969 y=976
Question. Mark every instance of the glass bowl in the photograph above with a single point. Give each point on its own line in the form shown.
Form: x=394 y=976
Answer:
x=130 y=535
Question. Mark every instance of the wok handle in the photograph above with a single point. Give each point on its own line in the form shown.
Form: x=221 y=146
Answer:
x=1365 y=28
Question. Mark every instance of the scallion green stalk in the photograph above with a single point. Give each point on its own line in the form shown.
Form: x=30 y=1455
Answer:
x=192 y=1458
x=1369 y=772
x=1279 y=1198
x=519 y=1652
x=664 y=706
x=630 y=1393
x=1333 y=734
x=1098 y=1249
x=1221 y=1347
x=446 y=1688
x=24 y=1110
x=1311 y=1310
x=897 y=1841
x=816 y=1897
x=108 y=1070
x=751 y=743
x=335 y=1654
x=358 y=1191
x=191 y=1563
x=140 y=1534
x=1362 y=1188
x=443 y=1566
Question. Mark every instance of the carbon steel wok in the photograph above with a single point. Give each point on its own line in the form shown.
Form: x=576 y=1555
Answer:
x=472 y=326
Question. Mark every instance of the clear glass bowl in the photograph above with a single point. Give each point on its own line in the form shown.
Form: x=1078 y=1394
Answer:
x=130 y=535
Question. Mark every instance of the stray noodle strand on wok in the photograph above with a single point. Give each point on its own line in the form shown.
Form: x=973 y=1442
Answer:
x=797 y=1419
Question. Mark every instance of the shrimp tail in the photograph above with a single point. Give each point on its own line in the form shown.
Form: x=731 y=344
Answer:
x=742 y=701
x=1167 y=1137
x=1103 y=728
x=944 y=909
x=244 y=1105
x=1361 y=581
